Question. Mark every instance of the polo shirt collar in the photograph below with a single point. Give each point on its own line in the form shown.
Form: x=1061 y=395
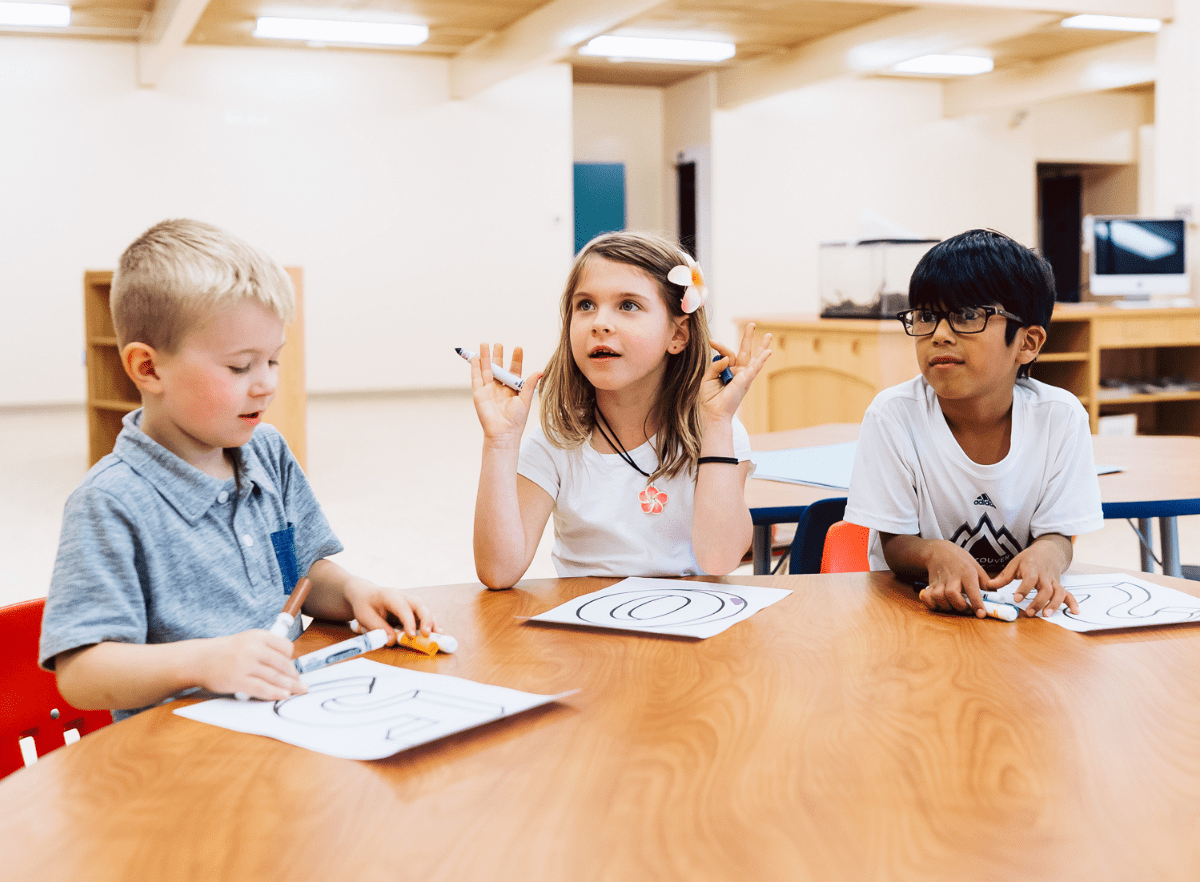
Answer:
x=190 y=491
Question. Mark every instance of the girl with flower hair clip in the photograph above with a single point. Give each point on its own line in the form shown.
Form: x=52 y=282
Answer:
x=638 y=453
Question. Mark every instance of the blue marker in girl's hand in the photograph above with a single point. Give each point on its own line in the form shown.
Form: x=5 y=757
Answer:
x=727 y=374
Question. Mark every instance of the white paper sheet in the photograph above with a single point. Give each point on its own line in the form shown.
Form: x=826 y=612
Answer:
x=826 y=465
x=665 y=606
x=1117 y=600
x=361 y=709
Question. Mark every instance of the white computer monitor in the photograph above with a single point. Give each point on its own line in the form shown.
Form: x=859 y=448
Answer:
x=1137 y=257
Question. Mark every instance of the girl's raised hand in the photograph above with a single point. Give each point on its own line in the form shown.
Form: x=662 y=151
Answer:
x=720 y=400
x=502 y=411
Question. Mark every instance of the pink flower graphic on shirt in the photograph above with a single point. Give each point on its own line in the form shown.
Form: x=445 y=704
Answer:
x=653 y=500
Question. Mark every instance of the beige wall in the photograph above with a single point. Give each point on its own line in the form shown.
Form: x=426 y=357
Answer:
x=625 y=124
x=814 y=165
x=421 y=223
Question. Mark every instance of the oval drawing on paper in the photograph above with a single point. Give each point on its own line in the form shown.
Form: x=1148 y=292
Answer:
x=661 y=608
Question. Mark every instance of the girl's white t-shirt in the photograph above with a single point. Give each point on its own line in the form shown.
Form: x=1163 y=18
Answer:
x=606 y=520
x=912 y=477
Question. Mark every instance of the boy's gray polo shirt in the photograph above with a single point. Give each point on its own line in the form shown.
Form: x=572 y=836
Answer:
x=153 y=550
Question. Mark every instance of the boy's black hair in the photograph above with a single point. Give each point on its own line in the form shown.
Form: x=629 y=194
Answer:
x=983 y=268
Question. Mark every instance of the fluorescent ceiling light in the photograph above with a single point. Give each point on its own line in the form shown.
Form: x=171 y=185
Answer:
x=42 y=15
x=1113 y=23
x=314 y=30
x=654 y=49
x=946 y=65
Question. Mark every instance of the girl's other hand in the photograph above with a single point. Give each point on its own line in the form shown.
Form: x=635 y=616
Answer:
x=719 y=401
x=502 y=411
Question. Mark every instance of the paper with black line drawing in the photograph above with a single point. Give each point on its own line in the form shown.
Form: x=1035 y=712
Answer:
x=665 y=606
x=362 y=709
x=1118 y=600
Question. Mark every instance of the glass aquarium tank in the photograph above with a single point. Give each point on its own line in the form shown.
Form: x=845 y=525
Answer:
x=868 y=278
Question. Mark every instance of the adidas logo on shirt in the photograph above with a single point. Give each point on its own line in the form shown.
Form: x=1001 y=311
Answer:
x=984 y=499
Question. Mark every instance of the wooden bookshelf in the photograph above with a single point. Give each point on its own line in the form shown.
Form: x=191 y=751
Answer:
x=111 y=394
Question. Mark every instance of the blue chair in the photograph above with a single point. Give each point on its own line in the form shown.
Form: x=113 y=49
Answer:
x=809 y=543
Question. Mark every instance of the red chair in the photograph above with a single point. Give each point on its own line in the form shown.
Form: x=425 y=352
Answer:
x=30 y=704
x=845 y=549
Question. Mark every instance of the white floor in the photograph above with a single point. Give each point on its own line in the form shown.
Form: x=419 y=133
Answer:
x=396 y=475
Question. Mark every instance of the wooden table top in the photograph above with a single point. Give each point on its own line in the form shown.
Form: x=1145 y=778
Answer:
x=1158 y=469
x=844 y=733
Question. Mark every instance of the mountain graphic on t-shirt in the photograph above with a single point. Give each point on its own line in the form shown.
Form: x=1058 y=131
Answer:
x=992 y=547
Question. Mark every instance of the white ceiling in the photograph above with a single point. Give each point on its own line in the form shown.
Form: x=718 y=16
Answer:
x=781 y=44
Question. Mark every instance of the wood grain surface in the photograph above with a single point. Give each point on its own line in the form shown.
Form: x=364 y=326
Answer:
x=844 y=733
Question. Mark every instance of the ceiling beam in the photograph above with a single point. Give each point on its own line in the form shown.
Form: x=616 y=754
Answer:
x=1164 y=9
x=169 y=28
x=1115 y=66
x=546 y=35
x=870 y=48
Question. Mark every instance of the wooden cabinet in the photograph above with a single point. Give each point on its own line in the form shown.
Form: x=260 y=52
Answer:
x=111 y=394
x=824 y=370
x=1090 y=348
x=828 y=370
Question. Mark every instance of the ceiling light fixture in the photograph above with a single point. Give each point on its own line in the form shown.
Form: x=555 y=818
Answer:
x=945 y=65
x=316 y=30
x=34 y=15
x=1113 y=23
x=655 y=49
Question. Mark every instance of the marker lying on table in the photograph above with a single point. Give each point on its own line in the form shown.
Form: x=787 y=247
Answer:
x=431 y=645
x=499 y=374
x=367 y=642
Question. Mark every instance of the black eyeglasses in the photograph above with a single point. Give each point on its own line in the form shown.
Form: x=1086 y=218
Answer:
x=964 y=320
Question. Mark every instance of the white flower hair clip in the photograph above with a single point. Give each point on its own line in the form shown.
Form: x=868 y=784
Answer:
x=692 y=279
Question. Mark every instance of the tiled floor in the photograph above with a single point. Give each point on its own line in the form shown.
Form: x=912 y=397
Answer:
x=396 y=475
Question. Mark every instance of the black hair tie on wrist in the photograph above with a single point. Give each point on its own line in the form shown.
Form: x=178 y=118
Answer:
x=728 y=460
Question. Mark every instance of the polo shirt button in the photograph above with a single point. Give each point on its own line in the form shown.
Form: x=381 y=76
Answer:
x=247 y=540
x=222 y=497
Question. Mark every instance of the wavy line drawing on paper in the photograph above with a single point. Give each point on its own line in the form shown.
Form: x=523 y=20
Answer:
x=362 y=709
x=665 y=606
x=1118 y=600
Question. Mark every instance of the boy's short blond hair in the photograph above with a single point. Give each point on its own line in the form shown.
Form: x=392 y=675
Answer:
x=179 y=270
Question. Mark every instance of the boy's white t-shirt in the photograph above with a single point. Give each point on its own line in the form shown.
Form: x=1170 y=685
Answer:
x=911 y=476
x=604 y=520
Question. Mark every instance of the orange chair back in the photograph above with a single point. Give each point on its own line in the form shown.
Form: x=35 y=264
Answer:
x=845 y=549
x=30 y=703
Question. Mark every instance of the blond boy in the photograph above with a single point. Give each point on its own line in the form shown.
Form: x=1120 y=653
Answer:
x=178 y=547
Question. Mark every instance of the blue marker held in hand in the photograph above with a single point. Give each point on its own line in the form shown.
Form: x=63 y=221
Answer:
x=727 y=374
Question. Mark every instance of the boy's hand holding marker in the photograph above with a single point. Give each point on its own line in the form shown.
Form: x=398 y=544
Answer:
x=957 y=583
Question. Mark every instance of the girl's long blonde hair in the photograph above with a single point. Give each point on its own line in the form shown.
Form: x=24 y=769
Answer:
x=569 y=400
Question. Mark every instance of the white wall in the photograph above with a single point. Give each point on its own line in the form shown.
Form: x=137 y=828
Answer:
x=625 y=124
x=803 y=167
x=421 y=223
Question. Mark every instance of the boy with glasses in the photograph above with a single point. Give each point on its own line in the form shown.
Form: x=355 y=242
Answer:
x=972 y=474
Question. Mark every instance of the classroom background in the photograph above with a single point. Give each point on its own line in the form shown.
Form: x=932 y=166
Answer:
x=428 y=214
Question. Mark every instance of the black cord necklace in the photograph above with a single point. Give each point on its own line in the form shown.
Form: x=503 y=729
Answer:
x=615 y=444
